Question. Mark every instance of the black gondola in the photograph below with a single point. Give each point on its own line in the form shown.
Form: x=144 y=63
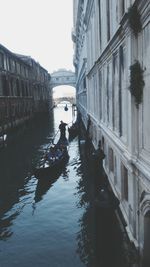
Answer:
x=53 y=160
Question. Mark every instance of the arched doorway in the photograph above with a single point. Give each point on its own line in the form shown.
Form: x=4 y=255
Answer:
x=145 y=209
x=146 y=249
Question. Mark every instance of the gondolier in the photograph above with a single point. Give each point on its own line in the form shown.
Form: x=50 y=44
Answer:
x=66 y=108
x=62 y=128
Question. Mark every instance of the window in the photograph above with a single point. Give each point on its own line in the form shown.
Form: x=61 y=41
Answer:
x=12 y=86
x=111 y=160
x=1 y=60
x=107 y=92
x=5 y=86
x=100 y=38
x=115 y=170
x=124 y=173
x=84 y=83
x=122 y=7
x=18 y=68
x=12 y=66
x=9 y=64
x=5 y=62
x=17 y=87
x=121 y=66
x=108 y=19
x=103 y=141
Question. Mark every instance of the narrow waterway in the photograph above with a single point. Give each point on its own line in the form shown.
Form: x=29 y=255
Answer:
x=52 y=224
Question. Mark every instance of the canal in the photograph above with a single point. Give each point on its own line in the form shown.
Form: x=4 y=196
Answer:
x=54 y=224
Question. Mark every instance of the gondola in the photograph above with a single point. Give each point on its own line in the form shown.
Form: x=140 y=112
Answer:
x=73 y=131
x=53 y=160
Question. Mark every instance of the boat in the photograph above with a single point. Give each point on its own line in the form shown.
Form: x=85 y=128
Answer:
x=66 y=108
x=106 y=200
x=53 y=160
x=73 y=131
x=3 y=139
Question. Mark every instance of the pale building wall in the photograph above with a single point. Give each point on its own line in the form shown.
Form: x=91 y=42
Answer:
x=111 y=48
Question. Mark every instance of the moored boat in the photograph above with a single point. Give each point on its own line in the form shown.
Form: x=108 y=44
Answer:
x=106 y=200
x=73 y=130
x=3 y=139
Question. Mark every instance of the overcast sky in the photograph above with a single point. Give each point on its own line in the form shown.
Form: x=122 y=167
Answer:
x=40 y=29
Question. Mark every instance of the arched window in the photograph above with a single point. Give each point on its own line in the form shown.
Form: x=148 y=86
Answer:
x=5 y=86
x=146 y=251
x=17 y=87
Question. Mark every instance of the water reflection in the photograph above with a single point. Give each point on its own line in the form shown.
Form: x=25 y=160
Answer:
x=85 y=239
x=5 y=226
x=99 y=240
x=17 y=162
x=64 y=228
x=45 y=184
x=16 y=181
x=86 y=235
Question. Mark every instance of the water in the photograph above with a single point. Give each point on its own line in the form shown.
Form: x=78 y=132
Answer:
x=52 y=224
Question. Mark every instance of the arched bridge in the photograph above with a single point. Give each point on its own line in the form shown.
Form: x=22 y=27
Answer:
x=62 y=77
x=58 y=100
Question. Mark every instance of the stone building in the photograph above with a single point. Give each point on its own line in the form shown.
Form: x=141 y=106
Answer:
x=111 y=50
x=24 y=89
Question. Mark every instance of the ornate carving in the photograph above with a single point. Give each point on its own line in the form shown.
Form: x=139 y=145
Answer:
x=145 y=202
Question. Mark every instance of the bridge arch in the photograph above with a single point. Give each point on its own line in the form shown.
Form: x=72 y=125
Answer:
x=70 y=100
x=62 y=77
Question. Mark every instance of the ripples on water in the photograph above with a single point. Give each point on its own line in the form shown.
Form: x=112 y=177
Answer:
x=40 y=223
x=47 y=224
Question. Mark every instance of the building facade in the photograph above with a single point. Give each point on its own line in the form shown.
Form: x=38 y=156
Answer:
x=24 y=89
x=111 y=51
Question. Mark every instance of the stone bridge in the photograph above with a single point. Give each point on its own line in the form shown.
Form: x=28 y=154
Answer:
x=58 y=100
x=63 y=77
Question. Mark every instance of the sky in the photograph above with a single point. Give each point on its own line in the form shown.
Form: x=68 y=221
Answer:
x=40 y=29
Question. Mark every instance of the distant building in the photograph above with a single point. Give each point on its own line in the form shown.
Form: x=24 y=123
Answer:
x=111 y=58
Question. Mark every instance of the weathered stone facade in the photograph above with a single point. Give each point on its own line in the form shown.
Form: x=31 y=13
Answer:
x=24 y=89
x=107 y=44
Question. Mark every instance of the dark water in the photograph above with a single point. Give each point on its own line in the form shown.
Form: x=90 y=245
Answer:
x=52 y=224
